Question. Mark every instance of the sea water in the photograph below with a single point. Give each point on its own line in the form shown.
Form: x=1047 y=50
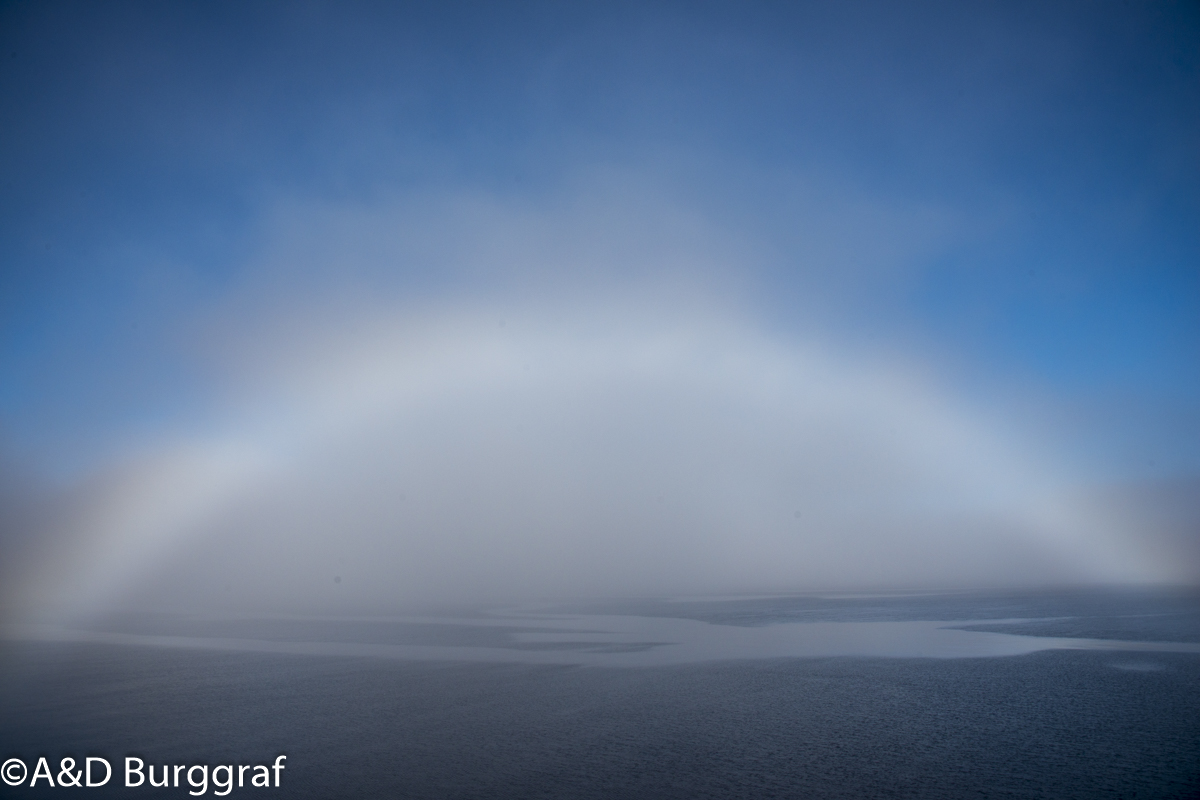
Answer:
x=1002 y=694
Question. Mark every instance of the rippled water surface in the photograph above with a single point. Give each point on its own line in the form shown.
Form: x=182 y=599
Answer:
x=1070 y=694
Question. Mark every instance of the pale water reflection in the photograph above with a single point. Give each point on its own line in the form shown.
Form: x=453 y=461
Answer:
x=524 y=636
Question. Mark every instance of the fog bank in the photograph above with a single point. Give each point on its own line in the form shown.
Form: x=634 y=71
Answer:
x=500 y=452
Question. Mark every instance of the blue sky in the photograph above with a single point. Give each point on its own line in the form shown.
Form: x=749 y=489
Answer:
x=1062 y=136
x=1003 y=196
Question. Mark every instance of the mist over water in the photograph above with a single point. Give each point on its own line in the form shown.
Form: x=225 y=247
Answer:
x=603 y=436
x=580 y=400
x=541 y=449
x=540 y=304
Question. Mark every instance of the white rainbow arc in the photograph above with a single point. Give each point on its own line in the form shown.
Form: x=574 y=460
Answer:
x=740 y=424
